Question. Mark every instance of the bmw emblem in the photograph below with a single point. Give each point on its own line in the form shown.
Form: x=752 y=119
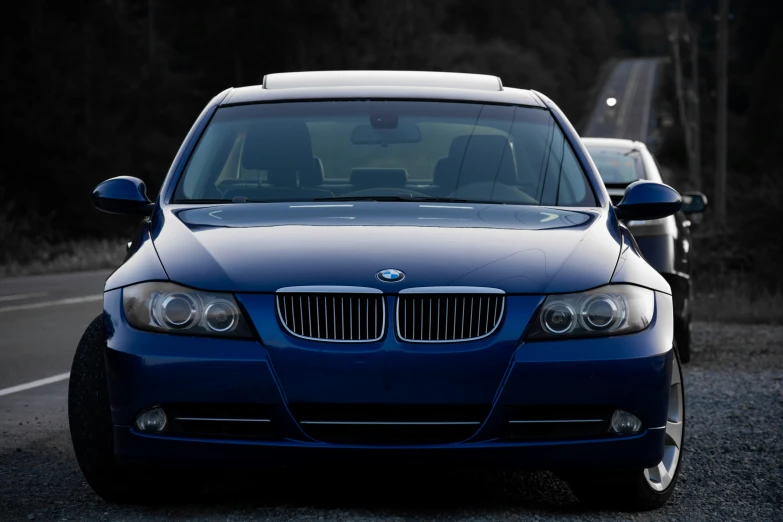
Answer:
x=390 y=275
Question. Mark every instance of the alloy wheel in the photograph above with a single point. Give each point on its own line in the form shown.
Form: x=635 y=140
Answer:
x=660 y=477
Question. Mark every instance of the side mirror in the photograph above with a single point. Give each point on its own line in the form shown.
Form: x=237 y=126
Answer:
x=122 y=195
x=644 y=200
x=694 y=202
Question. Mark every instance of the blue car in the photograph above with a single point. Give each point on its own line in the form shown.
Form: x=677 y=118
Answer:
x=382 y=268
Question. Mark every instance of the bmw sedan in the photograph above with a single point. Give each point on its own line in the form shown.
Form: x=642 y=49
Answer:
x=383 y=268
x=666 y=242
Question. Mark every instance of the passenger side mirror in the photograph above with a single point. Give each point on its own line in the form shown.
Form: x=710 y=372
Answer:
x=694 y=202
x=122 y=195
x=644 y=200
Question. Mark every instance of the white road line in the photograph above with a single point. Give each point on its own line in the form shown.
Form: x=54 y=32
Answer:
x=19 y=297
x=44 y=304
x=630 y=87
x=648 y=102
x=34 y=384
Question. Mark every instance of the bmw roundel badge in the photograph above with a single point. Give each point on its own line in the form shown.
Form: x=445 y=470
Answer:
x=390 y=275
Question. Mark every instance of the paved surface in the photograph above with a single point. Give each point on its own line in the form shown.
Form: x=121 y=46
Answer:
x=41 y=321
x=632 y=83
x=732 y=470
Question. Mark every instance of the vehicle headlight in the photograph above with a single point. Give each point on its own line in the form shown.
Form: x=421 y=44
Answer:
x=170 y=308
x=608 y=310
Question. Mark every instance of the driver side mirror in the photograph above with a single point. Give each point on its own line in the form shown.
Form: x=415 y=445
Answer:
x=644 y=200
x=123 y=195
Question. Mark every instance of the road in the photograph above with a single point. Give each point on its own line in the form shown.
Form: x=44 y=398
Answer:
x=41 y=320
x=733 y=448
x=632 y=83
x=732 y=468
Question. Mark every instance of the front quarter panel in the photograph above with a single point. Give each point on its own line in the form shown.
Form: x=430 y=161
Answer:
x=142 y=265
x=633 y=269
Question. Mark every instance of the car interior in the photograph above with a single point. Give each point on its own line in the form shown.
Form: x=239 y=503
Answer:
x=277 y=163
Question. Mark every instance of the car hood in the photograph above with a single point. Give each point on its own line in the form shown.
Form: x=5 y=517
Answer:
x=267 y=246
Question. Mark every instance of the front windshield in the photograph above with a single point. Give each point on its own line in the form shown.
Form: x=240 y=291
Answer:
x=313 y=151
x=617 y=166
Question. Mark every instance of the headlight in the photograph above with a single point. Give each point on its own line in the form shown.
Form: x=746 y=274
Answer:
x=170 y=308
x=609 y=310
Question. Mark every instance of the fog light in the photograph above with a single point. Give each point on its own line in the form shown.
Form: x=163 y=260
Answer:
x=151 y=420
x=625 y=423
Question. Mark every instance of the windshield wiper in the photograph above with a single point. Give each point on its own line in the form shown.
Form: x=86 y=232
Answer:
x=200 y=201
x=402 y=197
x=235 y=199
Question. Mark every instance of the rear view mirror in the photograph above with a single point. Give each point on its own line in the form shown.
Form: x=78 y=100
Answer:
x=376 y=135
x=693 y=202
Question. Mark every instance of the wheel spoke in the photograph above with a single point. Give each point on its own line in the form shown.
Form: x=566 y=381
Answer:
x=674 y=433
x=676 y=373
x=663 y=473
x=660 y=477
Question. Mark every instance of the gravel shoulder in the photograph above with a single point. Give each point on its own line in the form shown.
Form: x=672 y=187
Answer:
x=732 y=470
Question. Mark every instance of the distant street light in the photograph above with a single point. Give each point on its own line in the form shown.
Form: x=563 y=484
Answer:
x=611 y=102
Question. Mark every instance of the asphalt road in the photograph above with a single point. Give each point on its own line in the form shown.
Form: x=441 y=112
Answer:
x=732 y=468
x=41 y=321
x=632 y=83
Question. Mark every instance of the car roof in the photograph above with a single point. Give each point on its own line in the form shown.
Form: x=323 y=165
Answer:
x=381 y=84
x=483 y=82
x=614 y=143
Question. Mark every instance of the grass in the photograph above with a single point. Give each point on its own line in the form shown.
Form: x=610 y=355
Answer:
x=737 y=301
x=30 y=245
x=67 y=256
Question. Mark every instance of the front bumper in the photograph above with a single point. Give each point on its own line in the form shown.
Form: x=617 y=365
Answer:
x=629 y=372
x=639 y=451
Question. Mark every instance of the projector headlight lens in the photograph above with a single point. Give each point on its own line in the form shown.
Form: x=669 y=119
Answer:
x=171 y=308
x=609 y=310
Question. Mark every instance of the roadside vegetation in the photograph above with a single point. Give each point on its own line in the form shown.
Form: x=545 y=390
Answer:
x=734 y=300
x=30 y=244
x=68 y=256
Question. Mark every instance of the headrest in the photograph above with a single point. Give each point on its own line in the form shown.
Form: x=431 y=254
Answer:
x=278 y=146
x=364 y=178
x=314 y=176
x=484 y=158
x=457 y=148
x=445 y=173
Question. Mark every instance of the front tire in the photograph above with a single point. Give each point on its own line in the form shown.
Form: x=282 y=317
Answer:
x=642 y=490
x=91 y=427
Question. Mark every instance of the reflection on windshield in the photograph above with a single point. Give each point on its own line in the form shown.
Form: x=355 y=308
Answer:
x=384 y=150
